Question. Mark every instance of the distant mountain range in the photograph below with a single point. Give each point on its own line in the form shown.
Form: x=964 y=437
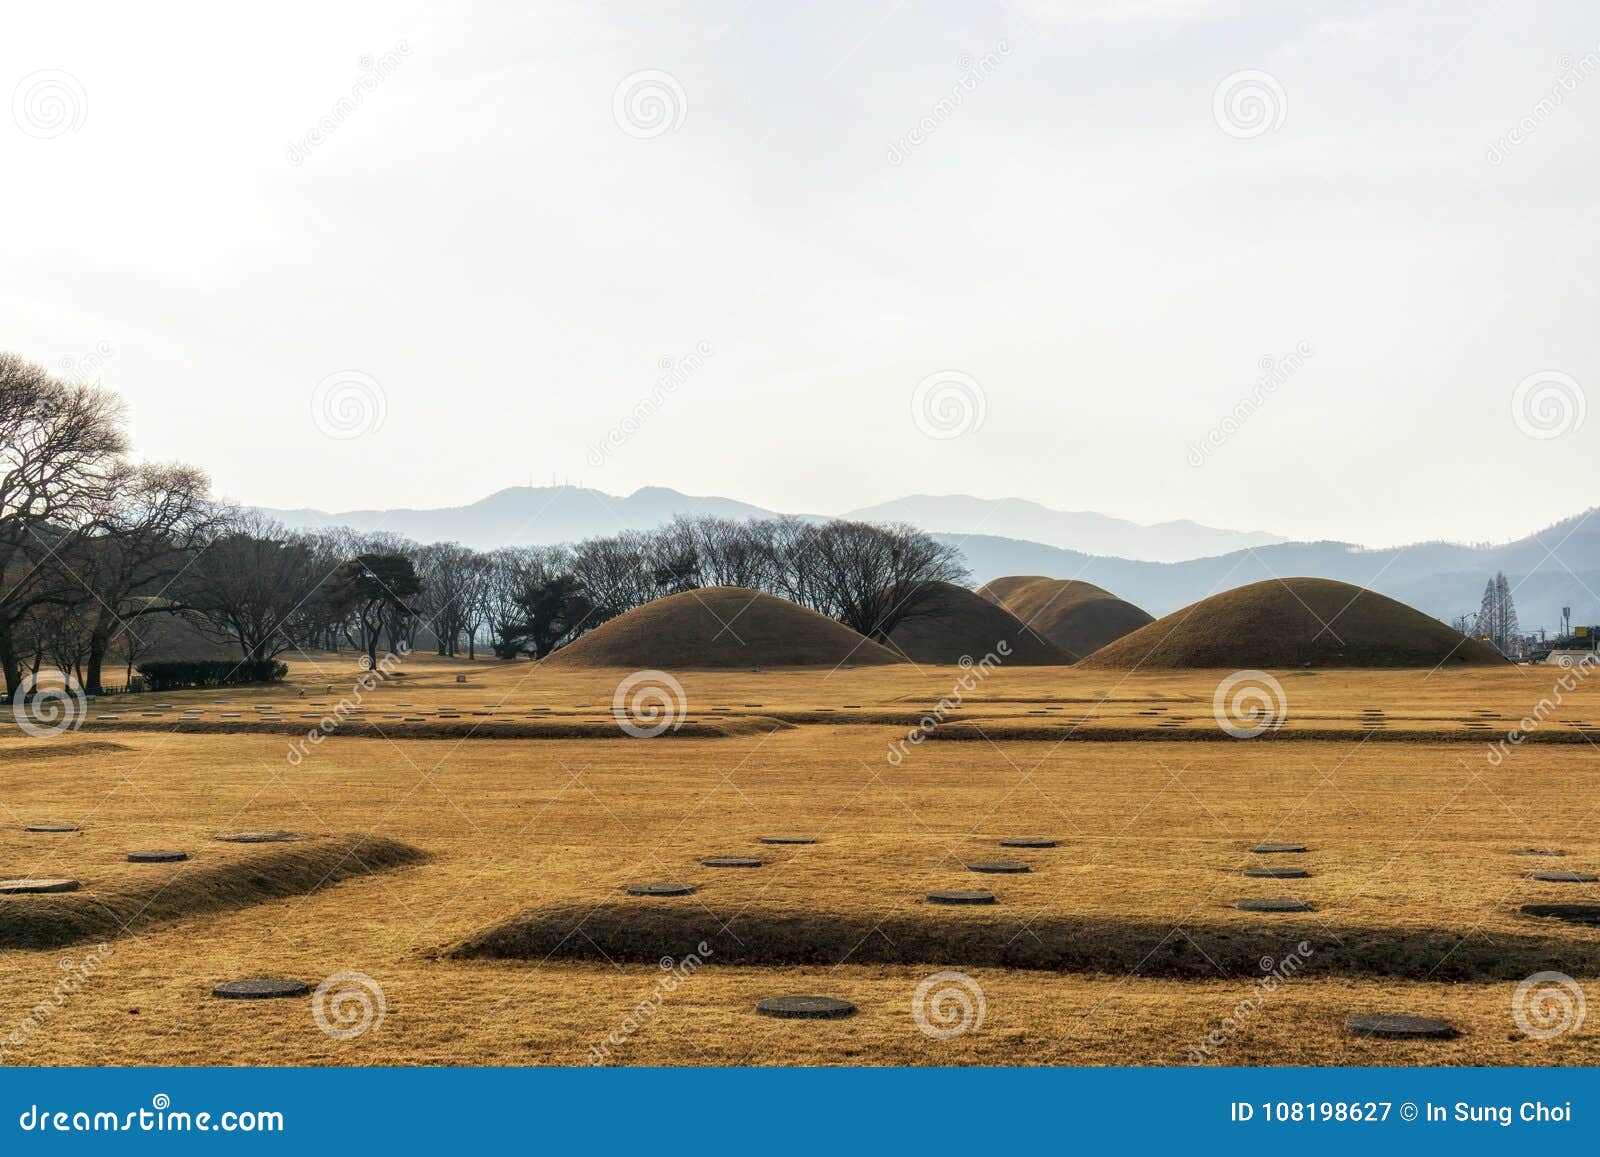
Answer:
x=531 y=515
x=1078 y=530
x=1161 y=567
x=528 y=516
x=1553 y=568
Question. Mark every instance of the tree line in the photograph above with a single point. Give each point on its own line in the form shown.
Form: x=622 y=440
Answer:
x=271 y=590
x=97 y=548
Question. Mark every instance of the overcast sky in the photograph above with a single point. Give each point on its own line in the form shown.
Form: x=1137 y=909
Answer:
x=404 y=253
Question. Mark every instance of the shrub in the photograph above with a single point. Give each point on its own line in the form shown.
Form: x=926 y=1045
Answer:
x=177 y=674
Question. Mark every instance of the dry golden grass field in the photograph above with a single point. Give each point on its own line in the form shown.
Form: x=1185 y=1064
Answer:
x=468 y=845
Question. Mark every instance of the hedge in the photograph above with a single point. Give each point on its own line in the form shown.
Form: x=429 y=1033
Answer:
x=177 y=674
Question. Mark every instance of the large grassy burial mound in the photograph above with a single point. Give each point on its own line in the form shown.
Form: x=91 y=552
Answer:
x=1296 y=622
x=721 y=627
x=1078 y=617
x=950 y=622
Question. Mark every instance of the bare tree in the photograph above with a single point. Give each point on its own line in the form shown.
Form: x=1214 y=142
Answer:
x=731 y=554
x=873 y=578
x=142 y=542
x=1497 y=617
x=59 y=443
x=614 y=573
x=250 y=581
x=57 y=635
x=475 y=601
x=315 y=623
x=446 y=571
x=792 y=567
x=671 y=556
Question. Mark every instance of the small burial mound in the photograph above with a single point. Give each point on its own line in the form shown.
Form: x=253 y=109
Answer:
x=949 y=623
x=1297 y=622
x=103 y=910
x=720 y=627
x=1076 y=616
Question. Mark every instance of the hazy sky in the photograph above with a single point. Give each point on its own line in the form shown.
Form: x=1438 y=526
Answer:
x=1063 y=237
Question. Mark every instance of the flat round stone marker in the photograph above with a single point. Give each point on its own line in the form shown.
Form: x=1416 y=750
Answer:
x=961 y=897
x=1028 y=842
x=1571 y=913
x=1276 y=849
x=51 y=828
x=1272 y=905
x=259 y=988
x=1397 y=1027
x=157 y=857
x=260 y=837
x=1276 y=873
x=805 y=1007
x=732 y=862
x=788 y=839
x=1566 y=877
x=660 y=889
x=999 y=867
x=32 y=887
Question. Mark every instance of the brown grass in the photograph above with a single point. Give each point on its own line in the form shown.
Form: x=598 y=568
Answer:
x=993 y=730
x=120 y=898
x=1415 y=888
